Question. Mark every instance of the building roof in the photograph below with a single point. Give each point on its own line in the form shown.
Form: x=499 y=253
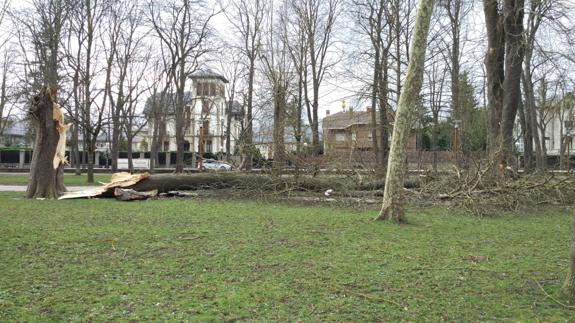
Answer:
x=208 y=74
x=169 y=102
x=345 y=119
x=16 y=128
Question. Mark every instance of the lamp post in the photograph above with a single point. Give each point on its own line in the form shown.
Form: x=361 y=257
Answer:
x=456 y=141
x=201 y=149
x=568 y=143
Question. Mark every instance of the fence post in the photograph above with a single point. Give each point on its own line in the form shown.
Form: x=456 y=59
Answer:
x=22 y=158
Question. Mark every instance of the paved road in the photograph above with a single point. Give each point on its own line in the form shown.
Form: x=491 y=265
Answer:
x=22 y=188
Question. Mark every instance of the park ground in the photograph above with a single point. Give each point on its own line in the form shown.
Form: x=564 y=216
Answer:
x=203 y=259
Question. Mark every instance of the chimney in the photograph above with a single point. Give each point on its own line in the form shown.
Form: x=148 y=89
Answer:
x=326 y=112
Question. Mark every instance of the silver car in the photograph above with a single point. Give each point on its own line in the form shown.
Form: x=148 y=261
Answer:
x=215 y=165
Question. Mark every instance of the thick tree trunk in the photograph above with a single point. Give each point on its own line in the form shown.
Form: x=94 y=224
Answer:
x=393 y=195
x=46 y=173
x=514 y=53
x=494 y=64
x=568 y=289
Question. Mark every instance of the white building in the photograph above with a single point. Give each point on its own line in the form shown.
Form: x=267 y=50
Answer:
x=207 y=113
x=559 y=122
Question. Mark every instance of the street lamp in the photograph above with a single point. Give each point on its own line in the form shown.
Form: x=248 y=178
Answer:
x=456 y=141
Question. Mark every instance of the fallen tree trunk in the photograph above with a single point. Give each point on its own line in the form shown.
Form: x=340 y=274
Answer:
x=165 y=183
x=173 y=182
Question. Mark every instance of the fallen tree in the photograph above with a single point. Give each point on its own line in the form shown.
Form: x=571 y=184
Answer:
x=262 y=184
x=164 y=183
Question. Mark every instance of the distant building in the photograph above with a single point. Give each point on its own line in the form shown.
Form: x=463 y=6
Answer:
x=350 y=132
x=558 y=120
x=207 y=112
x=15 y=135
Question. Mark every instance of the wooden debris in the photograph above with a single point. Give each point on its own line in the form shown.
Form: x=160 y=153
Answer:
x=127 y=194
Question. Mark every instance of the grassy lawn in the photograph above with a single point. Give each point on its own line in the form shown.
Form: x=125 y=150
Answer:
x=69 y=179
x=103 y=260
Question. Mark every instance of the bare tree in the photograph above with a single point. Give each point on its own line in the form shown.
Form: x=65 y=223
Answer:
x=6 y=66
x=436 y=76
x=155 y=108
x=183 y=30
x=318 y=19
x=232 y=70
x=247 y=18
x=6 y=103
x=278 y=70
x=503 y=62
x=374 y=21
x=296 y=41
x=41 y=27
x=123 y=46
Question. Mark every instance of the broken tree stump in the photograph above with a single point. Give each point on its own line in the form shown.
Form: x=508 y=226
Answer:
x=47 y=165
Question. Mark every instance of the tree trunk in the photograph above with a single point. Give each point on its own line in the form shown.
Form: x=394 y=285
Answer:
x=494 y=64
x=373 y=111
x=383 y=98
x=434 y=137
x=46 y=174
x=130 y=140
x=248 y=149
x=279 y=127
x=229 y=128
x=90 y=171
x=393 y=195
x=527 y=138
x=568 y=288
x=514 y=53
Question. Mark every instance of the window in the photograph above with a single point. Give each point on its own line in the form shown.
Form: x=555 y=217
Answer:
x=205 y=107
x=212 y=89
x=339 y=136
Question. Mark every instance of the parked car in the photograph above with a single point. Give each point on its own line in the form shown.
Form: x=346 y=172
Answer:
x=215 y=165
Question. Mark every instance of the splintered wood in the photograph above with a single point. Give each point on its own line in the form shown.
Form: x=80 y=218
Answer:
x=119 y=180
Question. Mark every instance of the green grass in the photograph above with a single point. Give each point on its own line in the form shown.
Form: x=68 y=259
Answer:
x=69 y=179
x=103 y=260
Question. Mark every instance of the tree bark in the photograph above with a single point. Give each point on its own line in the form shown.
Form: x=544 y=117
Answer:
x=46 y=181
x=568 y=288
x=514 y=52
x=494 y=64
x=393 y=195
